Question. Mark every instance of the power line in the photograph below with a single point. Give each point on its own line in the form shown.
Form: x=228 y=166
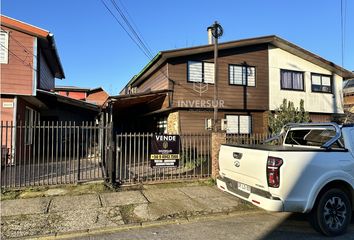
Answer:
x=132 y=20
x=126 y=31
x=20 y=59
x=143 y=44
x=342 y=24
x=139 y=41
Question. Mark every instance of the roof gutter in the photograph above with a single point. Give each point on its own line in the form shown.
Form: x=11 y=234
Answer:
x=53 y=47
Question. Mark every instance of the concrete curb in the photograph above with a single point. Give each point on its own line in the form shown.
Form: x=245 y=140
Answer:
x=107 y=230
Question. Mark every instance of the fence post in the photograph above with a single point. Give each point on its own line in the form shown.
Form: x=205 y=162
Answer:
x=111 y=148
x=217 y=138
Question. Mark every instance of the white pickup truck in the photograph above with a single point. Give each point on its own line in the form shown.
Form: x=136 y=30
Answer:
x=311 y=172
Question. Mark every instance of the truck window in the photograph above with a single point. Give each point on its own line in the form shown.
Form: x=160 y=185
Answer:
x=311 y=137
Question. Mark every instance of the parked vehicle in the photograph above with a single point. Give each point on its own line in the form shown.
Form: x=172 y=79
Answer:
x=312 y=172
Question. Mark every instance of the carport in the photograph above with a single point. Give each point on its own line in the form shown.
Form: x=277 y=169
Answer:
x=138 y=112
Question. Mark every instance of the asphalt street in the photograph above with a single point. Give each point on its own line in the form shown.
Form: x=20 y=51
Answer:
x=260 y=225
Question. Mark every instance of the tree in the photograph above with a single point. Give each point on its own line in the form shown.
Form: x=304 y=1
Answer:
x=287 y=113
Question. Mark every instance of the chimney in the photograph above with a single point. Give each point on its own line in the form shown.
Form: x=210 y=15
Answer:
x=210 y=36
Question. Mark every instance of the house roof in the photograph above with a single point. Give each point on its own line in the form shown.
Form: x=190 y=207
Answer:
x=45 y=41
x=71 y=88
x=126 y=101
x=78 y=89
x=68 y=100
x=274 y=40
x=96 y=89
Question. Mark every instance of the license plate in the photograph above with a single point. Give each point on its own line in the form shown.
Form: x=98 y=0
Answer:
x=243 y=187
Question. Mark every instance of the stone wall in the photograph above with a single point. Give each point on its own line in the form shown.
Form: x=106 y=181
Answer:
x=217 y=139
x=173 y=123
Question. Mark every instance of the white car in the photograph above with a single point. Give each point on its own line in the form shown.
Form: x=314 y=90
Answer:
x=311 y=172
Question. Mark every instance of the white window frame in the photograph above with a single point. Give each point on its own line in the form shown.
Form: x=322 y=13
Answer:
x=4 y=48
x=206 y=72
x=241 y=80
x=238 y=119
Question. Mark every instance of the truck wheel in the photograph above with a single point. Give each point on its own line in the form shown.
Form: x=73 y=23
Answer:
x=332 y=213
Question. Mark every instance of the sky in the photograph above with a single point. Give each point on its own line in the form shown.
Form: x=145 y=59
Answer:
x=96 y=51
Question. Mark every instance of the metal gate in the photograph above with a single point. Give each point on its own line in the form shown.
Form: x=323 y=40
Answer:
x=47 y=153
x=133 y=164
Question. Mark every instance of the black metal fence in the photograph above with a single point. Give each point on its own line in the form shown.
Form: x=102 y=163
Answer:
x=47 y=153
x=256 y=138
x=133 y=164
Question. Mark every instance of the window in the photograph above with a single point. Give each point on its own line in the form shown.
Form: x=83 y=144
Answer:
x=31 y=117
x=240 y=124
x=321 y=83
x=242 y=75
x=312 y=137
x=162 y=125
x=292 y=80
x=4 y=42
x=201 y=72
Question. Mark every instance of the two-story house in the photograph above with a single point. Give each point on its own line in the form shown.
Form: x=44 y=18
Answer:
x=30 y=64
x=254 y=76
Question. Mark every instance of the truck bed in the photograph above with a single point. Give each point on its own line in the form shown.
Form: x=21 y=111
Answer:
x=279 y=148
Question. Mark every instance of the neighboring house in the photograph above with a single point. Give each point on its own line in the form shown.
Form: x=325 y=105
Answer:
x=254 y=76
x=78 y=93
x=348 y=94
x=97 y=96
x=29 y=65
x=94 y=95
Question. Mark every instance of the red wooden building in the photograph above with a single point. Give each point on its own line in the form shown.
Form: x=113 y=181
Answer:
x=30 y=64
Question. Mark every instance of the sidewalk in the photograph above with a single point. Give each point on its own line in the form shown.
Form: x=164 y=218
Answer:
x=55 y=216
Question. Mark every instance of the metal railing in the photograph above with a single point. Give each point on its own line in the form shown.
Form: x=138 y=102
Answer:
x=48 y=153
x=133 y=164
x=256 y=138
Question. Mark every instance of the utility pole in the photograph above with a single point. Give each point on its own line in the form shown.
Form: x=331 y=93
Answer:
x=217 y=32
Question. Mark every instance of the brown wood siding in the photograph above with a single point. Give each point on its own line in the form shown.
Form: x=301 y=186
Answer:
x=194 y=121
x=157 y=81
x=17 y=74
x=232 y=95
x=46 y=78
x=98 y=97
x=349 y=100
x=320 y=117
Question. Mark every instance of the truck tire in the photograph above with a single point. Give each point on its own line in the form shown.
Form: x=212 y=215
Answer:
x=332 y=212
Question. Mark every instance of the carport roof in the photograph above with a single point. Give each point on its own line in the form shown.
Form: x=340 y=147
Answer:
x=51 y=96
x=131 y=100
